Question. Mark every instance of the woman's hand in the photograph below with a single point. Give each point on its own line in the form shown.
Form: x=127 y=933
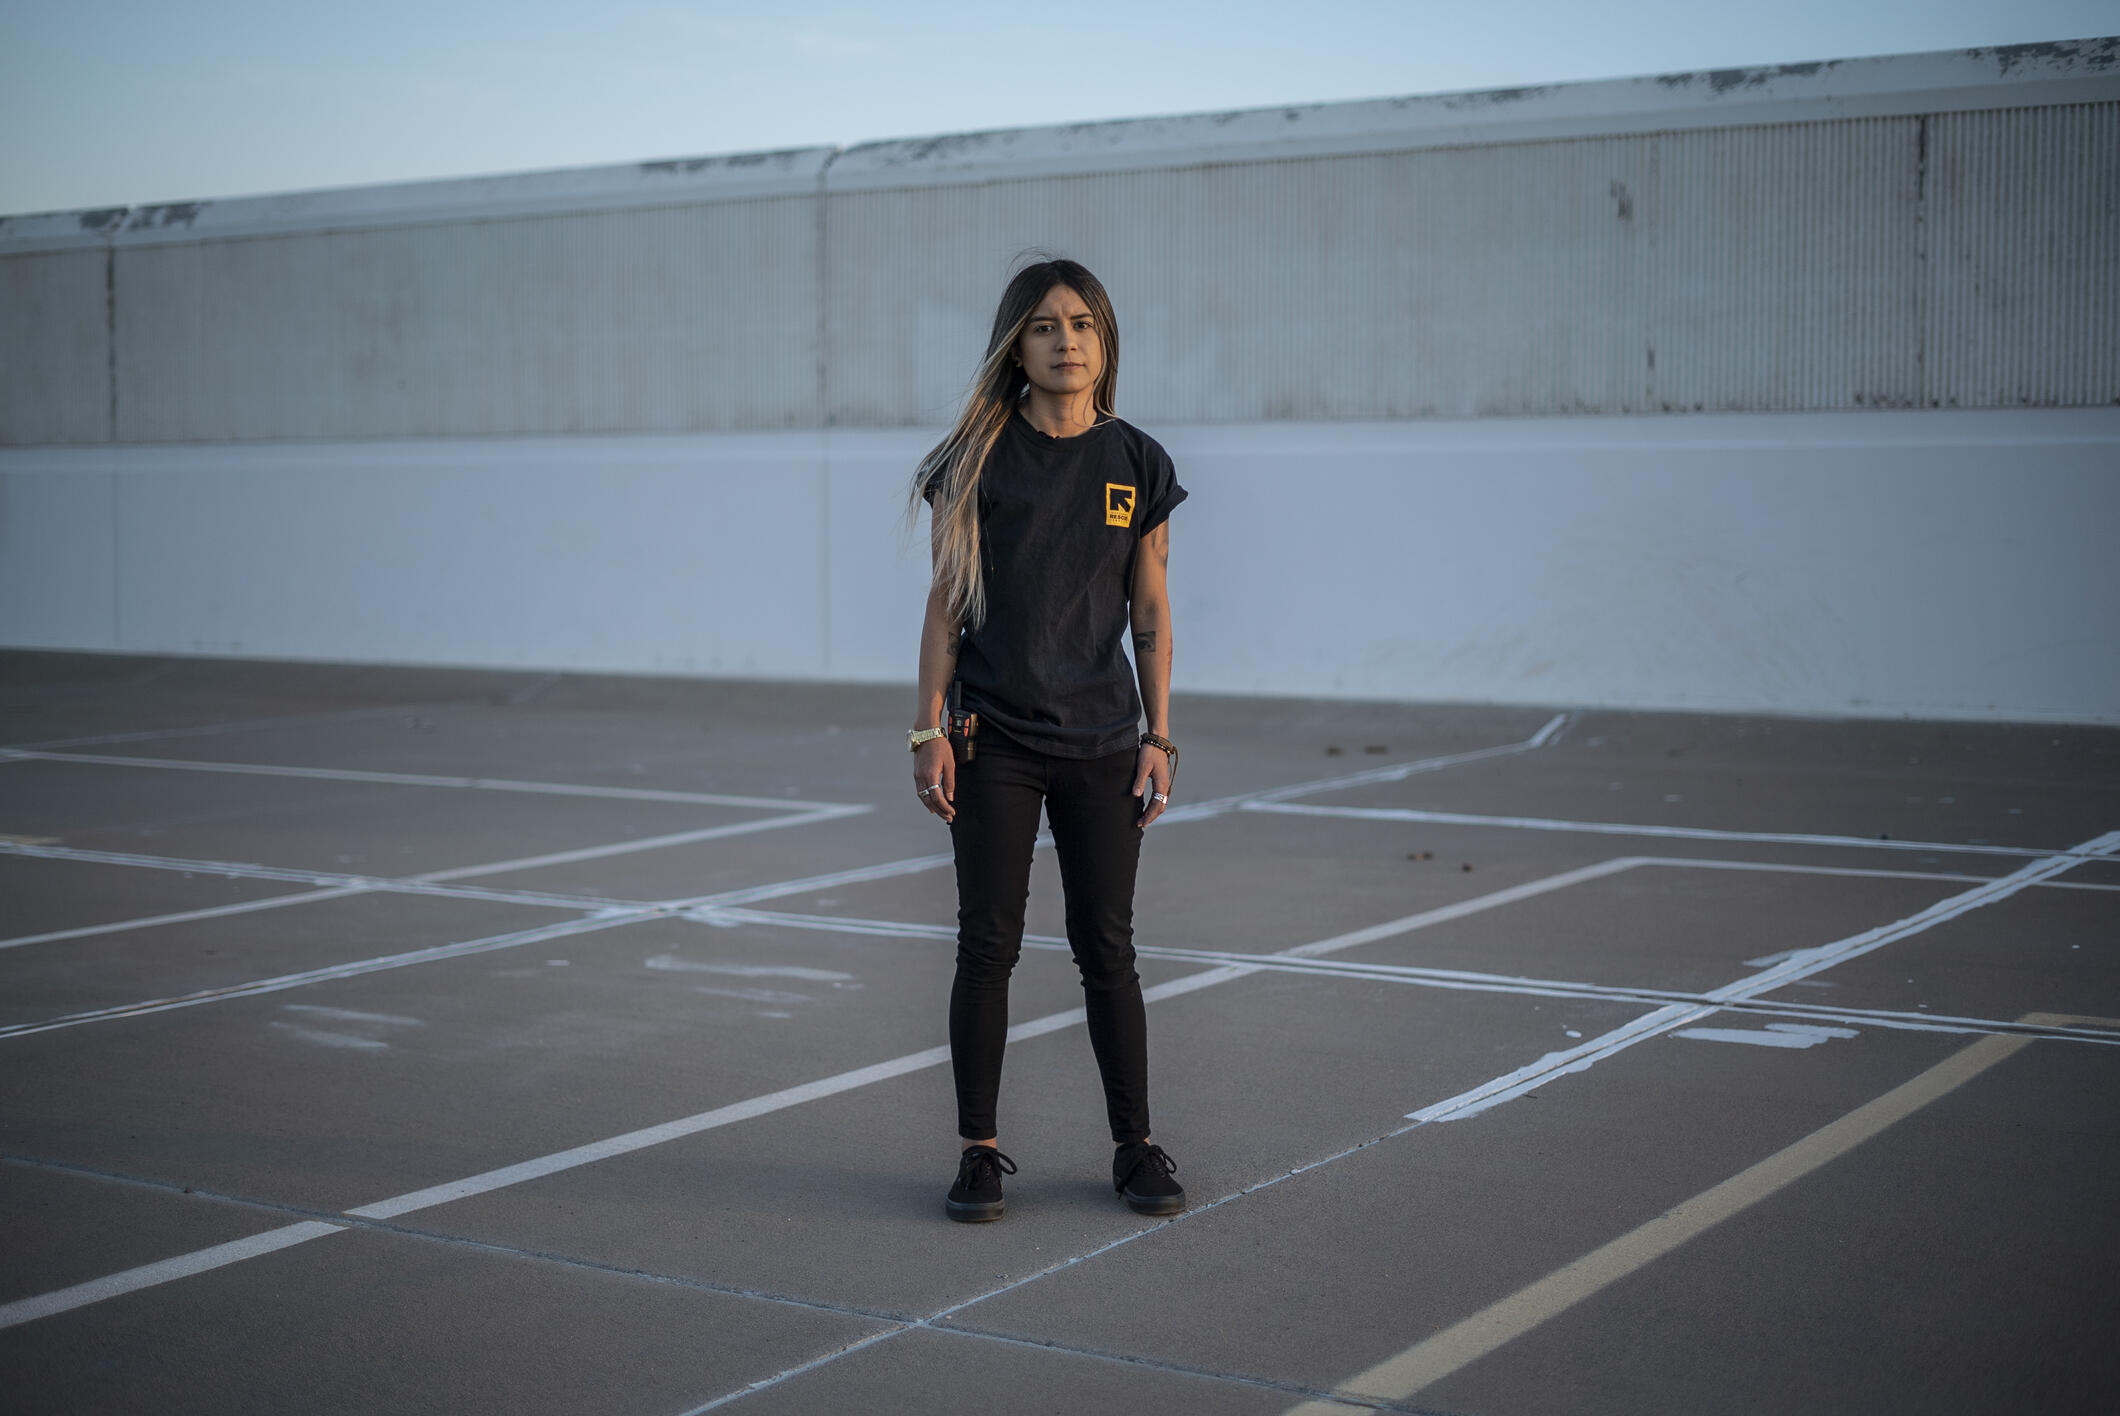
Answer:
x=935 y=777
x=1151 y=782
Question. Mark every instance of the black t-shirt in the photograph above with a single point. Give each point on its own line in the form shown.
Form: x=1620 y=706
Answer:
x=1060 y=521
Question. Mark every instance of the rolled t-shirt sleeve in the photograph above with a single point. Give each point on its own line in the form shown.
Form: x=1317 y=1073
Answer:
x=1162 y=494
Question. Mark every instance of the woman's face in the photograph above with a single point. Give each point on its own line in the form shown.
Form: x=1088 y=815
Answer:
x=1061 y=350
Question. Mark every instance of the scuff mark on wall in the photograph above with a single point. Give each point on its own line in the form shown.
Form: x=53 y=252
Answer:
x=1723 y=80
x=676 y=167
x=920 y=149
x=2096 y=55
x=152 y=218
x=782 y=158
x=1488 y=98
x=1623 y=199
x=102 y=218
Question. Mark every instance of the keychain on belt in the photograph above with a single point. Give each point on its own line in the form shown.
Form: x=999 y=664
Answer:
x=963 y=726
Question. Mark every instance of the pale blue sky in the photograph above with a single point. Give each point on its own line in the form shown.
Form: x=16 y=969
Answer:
x=115 y=102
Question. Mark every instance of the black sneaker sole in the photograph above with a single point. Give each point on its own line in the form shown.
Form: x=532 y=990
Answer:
x=1155 y=1204
x=973 y=1211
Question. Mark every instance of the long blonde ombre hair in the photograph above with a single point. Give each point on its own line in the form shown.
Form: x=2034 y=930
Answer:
x=996 y=390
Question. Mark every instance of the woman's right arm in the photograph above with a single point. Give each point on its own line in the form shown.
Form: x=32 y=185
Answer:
x=933 y=763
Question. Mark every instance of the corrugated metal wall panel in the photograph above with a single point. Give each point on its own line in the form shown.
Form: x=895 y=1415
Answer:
x=1814 y=266
x=1443 y=283
x=54 y=348
x=2023 y=264
x=1783 y=270
x=664 y=319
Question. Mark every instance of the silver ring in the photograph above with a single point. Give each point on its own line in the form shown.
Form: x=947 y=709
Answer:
x=1160 y=797
x=925 y=790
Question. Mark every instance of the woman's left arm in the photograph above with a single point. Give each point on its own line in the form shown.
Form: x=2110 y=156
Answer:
x=1150 y=614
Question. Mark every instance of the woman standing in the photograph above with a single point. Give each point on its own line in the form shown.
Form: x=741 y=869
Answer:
x=1050 y=534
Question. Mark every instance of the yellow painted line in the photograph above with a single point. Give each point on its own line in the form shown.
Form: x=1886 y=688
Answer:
x=1459 y=1345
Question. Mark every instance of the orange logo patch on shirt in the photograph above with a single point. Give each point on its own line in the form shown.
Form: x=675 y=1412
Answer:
x=1118 y=505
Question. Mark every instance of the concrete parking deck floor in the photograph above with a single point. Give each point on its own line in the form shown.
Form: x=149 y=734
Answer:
x=421 y=1040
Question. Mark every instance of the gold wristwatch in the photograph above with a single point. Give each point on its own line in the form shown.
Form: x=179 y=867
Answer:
x=916 y=736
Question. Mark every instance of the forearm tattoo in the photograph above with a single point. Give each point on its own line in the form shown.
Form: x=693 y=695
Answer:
x=1144 y=641
x=951 y=646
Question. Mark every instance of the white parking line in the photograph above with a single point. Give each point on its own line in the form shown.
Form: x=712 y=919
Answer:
x=1772 y=1035
x=726 y=909
x=337 y=885
x=794 y=812
x=166 y=1270
x=614 y=916
x=271 y=902
x=1800 y=964
x=1455 y=980
x=706 y=1120
x=432 y=883
x=44 y=1305
x=332 y=972
x=248 y=870
x=1197 y=811
x=410 y=710
x=1621 y=828
x=1857 y=872
x=1393 y=772
x=646 y=843
x=1467 y=1103
x=220 y=1255
x=1427 y=1362
x=608 y=915
x=803 y=885
x=1493 y=1093
x=417 y=779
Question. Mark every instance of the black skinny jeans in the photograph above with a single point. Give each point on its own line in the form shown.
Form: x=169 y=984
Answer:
x=1093 y=811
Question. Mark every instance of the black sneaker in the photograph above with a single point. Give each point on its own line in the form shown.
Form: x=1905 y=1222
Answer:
x=1142 y=1174
x=976 y=1197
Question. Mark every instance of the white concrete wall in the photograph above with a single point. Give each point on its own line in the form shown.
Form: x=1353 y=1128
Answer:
x=1925 y=563
x=1846 y=330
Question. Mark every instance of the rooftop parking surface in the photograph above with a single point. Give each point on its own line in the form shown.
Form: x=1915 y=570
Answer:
x=419 y=1039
